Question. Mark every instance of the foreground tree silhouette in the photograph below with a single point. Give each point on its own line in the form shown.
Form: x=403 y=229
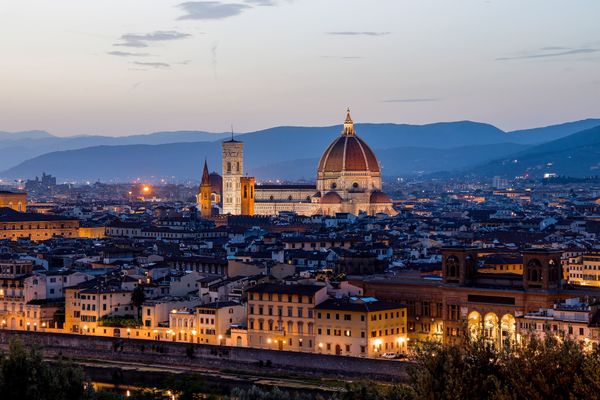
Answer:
x=25 y=376
x=536 y=369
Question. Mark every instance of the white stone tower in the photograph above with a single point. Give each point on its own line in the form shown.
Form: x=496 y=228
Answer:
x=233 y=171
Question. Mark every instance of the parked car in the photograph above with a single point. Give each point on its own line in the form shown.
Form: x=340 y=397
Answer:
x=393 y=356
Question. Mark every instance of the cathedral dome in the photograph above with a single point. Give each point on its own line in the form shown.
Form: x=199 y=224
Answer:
x=331 y=198
x=349 y=153
x=378 y=197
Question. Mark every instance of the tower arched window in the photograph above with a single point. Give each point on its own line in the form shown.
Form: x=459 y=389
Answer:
x=229 y=166
x=452 y=267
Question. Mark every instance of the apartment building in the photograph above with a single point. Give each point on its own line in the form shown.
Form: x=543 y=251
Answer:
x=281 y=316
x=360 y=327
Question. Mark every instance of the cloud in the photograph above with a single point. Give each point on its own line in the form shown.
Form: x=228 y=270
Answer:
x=152 y=64
x=213 y=51
x=127 y=54
x=141 y=40
x=413 y=100
x=549 y=48
x=262 y=2
x=549 y=52
x=353 y=33
x=211 y=9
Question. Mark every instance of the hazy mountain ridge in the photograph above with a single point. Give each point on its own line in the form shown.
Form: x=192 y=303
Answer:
x=402 y=150
x=20 y=146
x=552 y=132
x=577 y=155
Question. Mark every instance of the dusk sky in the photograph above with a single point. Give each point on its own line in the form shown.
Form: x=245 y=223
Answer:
x=117 y=67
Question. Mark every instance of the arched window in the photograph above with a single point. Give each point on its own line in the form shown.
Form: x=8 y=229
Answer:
x=452 y=267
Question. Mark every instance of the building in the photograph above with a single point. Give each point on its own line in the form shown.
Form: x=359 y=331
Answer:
x=12 y=200
x=585 y=269
x=360 y=327
x=15 y=225
x=13 y=274
x=206 y=323
x=232 y=172
x=575 y=319
x=281 y=317
x=348 y=181
x=87 y=304
x=465 y=298
x=349 y=176
x=204 y=198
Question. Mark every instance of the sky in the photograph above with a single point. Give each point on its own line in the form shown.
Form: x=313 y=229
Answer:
x=119 y=67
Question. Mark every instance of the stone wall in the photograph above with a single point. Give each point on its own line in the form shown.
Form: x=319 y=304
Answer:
x=206 y=356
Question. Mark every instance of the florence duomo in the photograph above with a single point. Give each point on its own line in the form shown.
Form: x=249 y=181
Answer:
x=348 y=180
x=409 y=208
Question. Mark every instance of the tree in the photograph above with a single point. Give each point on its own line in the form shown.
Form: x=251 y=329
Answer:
x=536 y=369
x=138 y=297
x=25 y=376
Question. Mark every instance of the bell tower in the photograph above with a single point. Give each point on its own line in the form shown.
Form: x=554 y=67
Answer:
x=542 y=269
x=233 y=171
x=459 y=264
x=203 y=197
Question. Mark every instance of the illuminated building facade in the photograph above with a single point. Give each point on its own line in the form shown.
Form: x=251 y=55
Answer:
x=467 y=299
x=15 y=201
x=360 y=327
x=281 y=317
x=37 y=227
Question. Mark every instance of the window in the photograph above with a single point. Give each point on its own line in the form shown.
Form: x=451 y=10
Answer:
x=347 y=317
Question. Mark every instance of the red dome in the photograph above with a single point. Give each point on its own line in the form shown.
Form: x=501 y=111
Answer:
x=378 y=197
x=331 y=198
x=348 y=152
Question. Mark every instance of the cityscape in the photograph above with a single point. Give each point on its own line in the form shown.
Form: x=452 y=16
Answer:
x=371 y=251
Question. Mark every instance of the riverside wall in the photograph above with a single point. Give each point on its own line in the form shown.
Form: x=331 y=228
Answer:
x=177 y=354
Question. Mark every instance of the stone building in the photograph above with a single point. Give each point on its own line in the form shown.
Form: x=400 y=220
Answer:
x=465 y=301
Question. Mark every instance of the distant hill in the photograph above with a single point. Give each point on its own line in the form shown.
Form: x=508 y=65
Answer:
x=403 y=161
x=270 y=153
x=576 y=155
x=553 y=132
x=20 y=146
x=184 y=161
x=24 y=135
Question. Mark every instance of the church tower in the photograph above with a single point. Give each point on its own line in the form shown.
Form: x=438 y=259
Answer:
x=203 y=198
x=233 y=171
x=248 y=184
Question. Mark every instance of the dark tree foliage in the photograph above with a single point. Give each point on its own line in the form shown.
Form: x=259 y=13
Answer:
x=138 y=297
x=25 y=376
x=537 y=369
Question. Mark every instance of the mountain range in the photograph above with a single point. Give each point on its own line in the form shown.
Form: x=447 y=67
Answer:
x=292 y=153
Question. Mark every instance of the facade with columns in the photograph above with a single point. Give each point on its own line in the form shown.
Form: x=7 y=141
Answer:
x=469 y=302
